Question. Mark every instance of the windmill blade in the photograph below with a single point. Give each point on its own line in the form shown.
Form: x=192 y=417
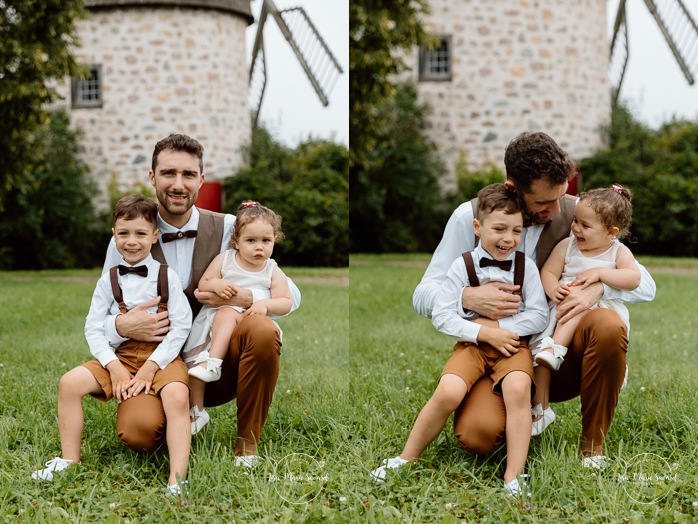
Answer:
x=620 y=52
x=318 y=62
x=258 y=69
x=680 y=32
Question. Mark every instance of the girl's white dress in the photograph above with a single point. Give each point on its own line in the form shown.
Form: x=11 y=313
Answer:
x=200 y=336
x=575 y=263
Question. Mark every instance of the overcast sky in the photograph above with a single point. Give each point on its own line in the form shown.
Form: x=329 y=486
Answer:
x=654 y=85
x=291 y=109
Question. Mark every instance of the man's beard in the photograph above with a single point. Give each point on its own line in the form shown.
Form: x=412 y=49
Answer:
x=176 y=208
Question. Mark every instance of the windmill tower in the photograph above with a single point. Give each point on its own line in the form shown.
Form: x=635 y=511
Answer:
x=502 y=67
x=159 y=67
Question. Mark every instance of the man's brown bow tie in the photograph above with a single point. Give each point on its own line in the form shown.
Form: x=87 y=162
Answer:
x=169 y=237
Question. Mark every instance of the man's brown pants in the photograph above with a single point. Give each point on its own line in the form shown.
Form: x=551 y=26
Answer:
x=594 y=368
x=249 y=373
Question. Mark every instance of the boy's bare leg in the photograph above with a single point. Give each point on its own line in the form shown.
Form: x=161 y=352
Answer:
x=74 y=385
x=516 y=391
x=431 y=420
x=175 y=402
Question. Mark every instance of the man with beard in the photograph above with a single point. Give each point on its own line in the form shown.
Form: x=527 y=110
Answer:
x=190 y=238
x=595 y=365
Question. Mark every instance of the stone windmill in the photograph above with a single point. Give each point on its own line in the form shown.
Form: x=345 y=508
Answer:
x=165 y=66
x=502 y=67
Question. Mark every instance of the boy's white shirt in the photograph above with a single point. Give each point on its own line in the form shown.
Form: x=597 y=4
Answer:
x=448 y=315
x=179 y=255
x=135 y=290
x=459 y=237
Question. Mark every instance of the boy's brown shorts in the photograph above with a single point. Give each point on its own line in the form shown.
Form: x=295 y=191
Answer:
x=471 y=362
x=133 y=354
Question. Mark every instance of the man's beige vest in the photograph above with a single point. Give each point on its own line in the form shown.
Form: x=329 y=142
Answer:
x=206 y=246
x=554 y=231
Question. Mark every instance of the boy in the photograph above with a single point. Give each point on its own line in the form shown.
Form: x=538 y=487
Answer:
x=485 y=346
x=150 y=368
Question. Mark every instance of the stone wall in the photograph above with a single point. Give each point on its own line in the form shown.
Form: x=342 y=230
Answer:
x=165 y=70
x=537 y=65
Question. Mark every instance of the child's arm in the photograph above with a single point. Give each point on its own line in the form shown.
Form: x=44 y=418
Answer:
x=533 y=317
x=500 y=339
x=180 y=317
x=625 y=276
x=552 y=270
x=448 y=316
x=280 y=302
x=212 y=282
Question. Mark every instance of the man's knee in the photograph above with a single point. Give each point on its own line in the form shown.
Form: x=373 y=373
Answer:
x=140 y=423
x=607 y=335
x=257 y=333
x=480 y=437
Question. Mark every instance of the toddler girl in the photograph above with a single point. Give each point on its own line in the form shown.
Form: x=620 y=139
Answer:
x=245 y=264
x=592 y=253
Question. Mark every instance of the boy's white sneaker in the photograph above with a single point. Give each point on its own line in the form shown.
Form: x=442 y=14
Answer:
x=518 y=488
x=177 y=489
x=53 y=465
x=547 y=417
x=378 y=474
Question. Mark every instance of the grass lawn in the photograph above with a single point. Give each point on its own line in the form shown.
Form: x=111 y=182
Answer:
x=396 y=360
x=345 y=400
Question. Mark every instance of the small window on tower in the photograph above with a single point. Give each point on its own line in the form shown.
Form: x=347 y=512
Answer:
x=87 y=91
x=435 y=63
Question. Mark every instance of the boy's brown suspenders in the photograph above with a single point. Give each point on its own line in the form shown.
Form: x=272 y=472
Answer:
x=519 y=268
x=163 y=288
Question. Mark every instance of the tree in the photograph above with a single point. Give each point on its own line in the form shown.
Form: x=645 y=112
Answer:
x=308 y=186
x=659 y=167
x=380 y=33
x=51 y=222
x=36 y=41
x=396 y=204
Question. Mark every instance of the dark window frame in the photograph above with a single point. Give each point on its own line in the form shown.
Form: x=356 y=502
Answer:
x=436 y=64
x=88 y=92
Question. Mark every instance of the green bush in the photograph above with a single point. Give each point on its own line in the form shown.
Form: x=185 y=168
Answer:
x=308 y=186
x=659 y=167
x=50 y=222
x=396 y=201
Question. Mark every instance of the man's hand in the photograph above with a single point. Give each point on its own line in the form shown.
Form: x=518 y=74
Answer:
x=138 y=324
x=500 y=339
x=242 y=298
x=493 y=300
x=578 y=301
x=120 y=380
x=143 y=379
